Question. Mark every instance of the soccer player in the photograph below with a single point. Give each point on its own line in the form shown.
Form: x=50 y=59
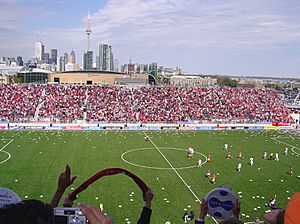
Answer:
x=291 y=170
x=276 y=156
x=213 y=179
x=209 y=158
x=199 y=163
x=185 y=217
x=251 y=161
x=271 y=155
x=272 y=203
x=240 y=155
x=265 y=155
x=239 y=166
x=208 y=173
x=229 y=156
x=286 y=151
x=101 y=208
x=190 y=152
x=226 y=146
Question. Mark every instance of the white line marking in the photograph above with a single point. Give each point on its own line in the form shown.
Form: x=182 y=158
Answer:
x=293 y=147
x=188 y=187
x=2 y=150
x=160 y=168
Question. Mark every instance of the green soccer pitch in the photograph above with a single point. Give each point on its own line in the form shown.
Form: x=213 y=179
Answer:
x=30 y=162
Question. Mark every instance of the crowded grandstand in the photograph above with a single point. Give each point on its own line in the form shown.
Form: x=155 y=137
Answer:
x=70 y=103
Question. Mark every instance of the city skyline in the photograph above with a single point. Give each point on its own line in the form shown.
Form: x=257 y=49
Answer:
x=249 y=37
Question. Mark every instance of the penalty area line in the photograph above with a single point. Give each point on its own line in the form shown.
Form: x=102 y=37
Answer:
x=2 y=150
x=293 y=147
x=180 y=177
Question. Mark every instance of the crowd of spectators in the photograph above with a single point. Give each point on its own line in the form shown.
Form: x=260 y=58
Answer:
x=64 y=102
x=290 y=96
x=19 y=102
x=68 y=103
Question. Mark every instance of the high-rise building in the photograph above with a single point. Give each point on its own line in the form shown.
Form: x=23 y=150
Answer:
x=88 y=60
x=106 y=61
x=46 y=58
x=39 y=50
x=116 y=65
x=72 y=57
x=19 y=61
x=63 y=60
x=54 y=56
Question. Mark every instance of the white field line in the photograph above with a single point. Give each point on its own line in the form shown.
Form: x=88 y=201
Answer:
x=170 y=164
x=2 y=150
x=288 y=145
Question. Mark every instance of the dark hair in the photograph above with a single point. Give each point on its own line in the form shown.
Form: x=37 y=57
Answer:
x=280 y=216
x=27 y=212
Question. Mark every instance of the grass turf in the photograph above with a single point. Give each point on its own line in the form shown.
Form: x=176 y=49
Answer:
x=38 y=157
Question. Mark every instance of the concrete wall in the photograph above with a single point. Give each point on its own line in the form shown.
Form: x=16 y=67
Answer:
x=94 y=76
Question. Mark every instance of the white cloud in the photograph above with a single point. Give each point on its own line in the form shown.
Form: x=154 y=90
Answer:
x=159 y=29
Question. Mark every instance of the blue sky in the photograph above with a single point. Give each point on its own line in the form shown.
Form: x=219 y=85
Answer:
x=237 y=37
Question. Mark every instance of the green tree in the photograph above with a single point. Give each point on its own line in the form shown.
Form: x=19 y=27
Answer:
x=226 y=81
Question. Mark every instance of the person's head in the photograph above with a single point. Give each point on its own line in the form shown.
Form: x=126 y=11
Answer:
x=292 y=212
x=231 y=220
x=274 y=217
x=27 y=212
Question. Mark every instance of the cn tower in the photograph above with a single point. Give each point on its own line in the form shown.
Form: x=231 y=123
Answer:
x=88 y=31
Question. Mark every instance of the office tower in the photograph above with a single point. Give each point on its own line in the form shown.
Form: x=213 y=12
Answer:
x=39 y=51
x=72 y=57
x=19 y=61
x=116 y=65
x=98 y=62
x=63 y=60
x=54 y=56
x=112 y=62
x=88 y=60
x=105 y=58
x=46 y=58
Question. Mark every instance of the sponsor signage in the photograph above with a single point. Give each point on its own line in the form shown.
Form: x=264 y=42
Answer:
x=54 y=128
x=73 y=128
x=135 y=128
x=205 y=128
x=187 y=128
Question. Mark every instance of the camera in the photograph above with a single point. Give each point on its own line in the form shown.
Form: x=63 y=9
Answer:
x=69 y=216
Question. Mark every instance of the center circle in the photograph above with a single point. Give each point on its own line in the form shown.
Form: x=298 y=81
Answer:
x=160 y=168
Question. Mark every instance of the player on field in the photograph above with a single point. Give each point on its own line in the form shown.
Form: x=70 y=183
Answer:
x=276 y=156
x=226 y=146
x=240 y=155
x=190 y=152
x=101 y=208
x=271 y=155
x=229 y=156
x=239 y=166
x=265 y=155
x=272 y=203
x=199 y=163
x=208 y=173
x=286 y=151
x=251 y=161
x=291 y=170
x=209 y=158
x=213 y=179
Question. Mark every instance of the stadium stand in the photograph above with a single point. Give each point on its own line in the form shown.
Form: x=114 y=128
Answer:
x=69 y=103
